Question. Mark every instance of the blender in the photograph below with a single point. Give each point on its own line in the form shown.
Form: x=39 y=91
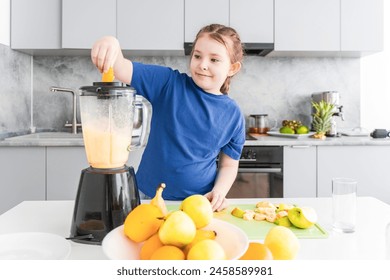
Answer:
x=108 y=189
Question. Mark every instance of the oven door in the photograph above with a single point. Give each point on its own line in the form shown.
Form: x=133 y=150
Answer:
x=257 y=182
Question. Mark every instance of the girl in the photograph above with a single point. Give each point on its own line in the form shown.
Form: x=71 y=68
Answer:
x=193 y=119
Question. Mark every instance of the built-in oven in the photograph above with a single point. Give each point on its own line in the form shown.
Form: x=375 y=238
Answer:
x=260 y=173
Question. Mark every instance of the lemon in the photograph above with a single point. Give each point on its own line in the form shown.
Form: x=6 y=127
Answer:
x=282 y=242
x=286 y=130
x=207 y=249
x=198 y=207
x=302 y=130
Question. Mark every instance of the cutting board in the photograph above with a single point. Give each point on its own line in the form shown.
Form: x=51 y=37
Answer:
x=259 y=229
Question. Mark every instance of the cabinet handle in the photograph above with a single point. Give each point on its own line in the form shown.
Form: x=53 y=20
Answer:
x=300 y=146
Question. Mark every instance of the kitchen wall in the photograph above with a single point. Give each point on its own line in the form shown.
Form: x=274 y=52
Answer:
x=15 y=91
x=280 y=87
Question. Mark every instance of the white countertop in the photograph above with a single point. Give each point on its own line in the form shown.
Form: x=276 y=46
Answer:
x=368 y=242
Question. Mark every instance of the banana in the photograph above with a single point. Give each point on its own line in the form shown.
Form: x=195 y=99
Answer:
x=201 y=234
x=158 y=199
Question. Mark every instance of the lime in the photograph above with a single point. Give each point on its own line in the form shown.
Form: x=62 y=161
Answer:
x=286 y=130
x=302 y=130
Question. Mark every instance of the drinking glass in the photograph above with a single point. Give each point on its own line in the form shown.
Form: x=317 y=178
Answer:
x=344 y=204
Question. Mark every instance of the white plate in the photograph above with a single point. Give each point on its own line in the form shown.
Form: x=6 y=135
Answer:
x=117 y=246
x=33 y=246
x=277 y=133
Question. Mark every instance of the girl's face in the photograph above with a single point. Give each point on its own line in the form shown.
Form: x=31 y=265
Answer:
x=210 y=65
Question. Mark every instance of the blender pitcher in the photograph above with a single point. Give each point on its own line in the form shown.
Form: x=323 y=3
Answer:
x=107 y=113
x=108 y=189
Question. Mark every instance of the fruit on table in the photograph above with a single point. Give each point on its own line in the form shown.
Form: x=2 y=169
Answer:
x=293 y=124
x=302 y=130
x=158 y=199
x=198 y=207
x=142 y=222
x=201 y=234
x=238 y=212
x=302 y=217
x=150 y=246
x=168 y=252
x=178 y=229
x=207 y=249
x=286 y=130
x=322 y=118
x=257 y=251
x=282 y=242
x=283 y=221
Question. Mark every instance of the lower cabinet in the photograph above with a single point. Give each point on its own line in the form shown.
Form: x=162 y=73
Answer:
x=367 y=164
x=64 y=166
x=299 y=171
x=22 y=173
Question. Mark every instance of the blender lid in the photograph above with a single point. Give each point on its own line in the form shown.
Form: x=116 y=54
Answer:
x=107 y=89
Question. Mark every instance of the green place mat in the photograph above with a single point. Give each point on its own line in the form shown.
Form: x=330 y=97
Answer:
x=259 y=229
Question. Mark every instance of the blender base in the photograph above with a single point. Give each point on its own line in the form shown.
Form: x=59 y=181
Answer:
x=104 y=199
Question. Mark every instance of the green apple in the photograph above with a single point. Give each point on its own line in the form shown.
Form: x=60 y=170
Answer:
x=302 y=217
x=283 y=221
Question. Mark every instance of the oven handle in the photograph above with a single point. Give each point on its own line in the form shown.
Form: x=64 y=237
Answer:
x=259 y=170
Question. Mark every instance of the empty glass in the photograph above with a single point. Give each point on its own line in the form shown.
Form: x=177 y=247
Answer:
x=344 y=204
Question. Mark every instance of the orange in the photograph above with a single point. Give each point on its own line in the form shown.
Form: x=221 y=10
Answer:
x=168 y=252
x=108 y=76
x=149 y=246
x=257 y=251
x=142 y=222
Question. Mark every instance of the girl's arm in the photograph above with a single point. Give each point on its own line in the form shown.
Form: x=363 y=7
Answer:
x=106 y=53
x=227 y=173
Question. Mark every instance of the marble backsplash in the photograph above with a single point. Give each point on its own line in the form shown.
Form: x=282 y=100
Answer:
x=280 y=87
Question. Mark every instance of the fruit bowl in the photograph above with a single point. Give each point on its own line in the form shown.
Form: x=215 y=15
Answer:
x=117 y=246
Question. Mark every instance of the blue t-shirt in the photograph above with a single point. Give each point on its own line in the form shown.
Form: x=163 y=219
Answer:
x=189 y=128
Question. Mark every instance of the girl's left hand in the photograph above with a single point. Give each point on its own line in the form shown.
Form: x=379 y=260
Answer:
x=217 y=200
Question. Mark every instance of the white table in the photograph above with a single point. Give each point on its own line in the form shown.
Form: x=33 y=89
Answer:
x=368 y=242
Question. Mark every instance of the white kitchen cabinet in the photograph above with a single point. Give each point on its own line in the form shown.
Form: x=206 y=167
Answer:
x=362 y=25
x=367 y=164
x=199 y=13
x=64 y=166
x=84 y=22
x=253 y=20
x=22 y=172
x=36 y=24
x=307 y=25
x=150 y=24
x=299 y=171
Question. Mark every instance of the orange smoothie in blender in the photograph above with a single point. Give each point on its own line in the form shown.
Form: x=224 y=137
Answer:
x=106 y=149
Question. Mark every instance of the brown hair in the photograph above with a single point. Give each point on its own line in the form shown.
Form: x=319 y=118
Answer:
x=222 y=34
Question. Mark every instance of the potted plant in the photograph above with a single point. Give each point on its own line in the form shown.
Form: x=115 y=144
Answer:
x=322 y=118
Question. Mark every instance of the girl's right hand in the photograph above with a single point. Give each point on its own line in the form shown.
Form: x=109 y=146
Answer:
x=105 y=53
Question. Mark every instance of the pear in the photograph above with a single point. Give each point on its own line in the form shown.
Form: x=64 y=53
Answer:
x=302 y=217
x=178 y=229
x=198 y=207
x=283 y=221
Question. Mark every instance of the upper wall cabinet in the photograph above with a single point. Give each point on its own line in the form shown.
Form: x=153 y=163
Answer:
x=362 y=25
x=84 y=22
x=36 y=24
x=150 y=25
x=330 y=27
x=253 y=19
x=307 y=25
x=199 y=13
